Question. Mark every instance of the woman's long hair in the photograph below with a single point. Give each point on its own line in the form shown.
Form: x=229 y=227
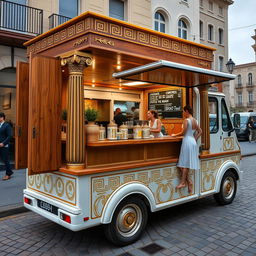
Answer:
x=154 y=113
x=189 y=109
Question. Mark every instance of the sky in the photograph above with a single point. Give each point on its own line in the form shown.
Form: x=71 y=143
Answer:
x=242 y=23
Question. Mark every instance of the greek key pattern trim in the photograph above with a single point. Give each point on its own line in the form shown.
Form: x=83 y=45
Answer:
x=161 y=182
x=55 y=186
x=123 y=32
x=209 y=170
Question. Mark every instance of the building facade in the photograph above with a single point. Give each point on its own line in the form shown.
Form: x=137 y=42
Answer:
x=177 y=17
x=21 y=20
x=244 y=96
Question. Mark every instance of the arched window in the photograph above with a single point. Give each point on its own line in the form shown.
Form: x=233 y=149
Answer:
x=182 y=29
x=250 y=79
x=239 y=80
x=160 y=22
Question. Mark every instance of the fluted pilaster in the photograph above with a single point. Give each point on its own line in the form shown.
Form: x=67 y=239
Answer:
x=75 y=144
x=204 y=117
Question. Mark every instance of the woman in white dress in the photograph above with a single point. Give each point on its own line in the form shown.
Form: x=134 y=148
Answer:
x=189 y=151
x=155 y=124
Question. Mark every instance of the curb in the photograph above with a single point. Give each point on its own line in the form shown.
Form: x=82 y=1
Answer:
x=247 y=155
x=9 y=210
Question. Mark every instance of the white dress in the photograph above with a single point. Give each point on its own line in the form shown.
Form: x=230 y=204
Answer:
x=189 y=150
x=154 y=126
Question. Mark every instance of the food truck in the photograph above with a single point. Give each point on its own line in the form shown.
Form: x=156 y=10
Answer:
x=100 y=62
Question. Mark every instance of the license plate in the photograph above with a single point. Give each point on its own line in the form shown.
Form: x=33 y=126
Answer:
x=47 y=207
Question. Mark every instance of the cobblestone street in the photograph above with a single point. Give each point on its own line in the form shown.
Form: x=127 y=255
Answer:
x=197 y=228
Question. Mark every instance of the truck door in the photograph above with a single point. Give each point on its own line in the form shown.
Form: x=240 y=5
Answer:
x=227 y=132
x=215 y=132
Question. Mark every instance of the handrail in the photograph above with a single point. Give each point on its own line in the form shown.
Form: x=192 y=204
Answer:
x=21 y=18
x=56 y=19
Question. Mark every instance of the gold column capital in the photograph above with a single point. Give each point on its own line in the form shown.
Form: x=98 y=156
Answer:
x=76 y=60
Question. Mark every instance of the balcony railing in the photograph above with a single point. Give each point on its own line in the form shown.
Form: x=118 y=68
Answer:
x=21 y=18
x=240 y=104
x=239 y=86
x=250 y=84
x=55 y=20
x=250 y=103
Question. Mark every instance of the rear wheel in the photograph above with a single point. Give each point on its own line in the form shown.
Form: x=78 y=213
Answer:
x=228 y=189
x=128 y=222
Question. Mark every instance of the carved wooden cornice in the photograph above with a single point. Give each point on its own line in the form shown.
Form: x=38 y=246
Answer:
x=92 y=23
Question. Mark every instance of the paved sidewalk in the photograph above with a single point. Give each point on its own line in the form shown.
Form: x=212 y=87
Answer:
x=11 y=191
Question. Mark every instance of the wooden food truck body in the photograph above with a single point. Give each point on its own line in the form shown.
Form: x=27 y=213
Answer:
x=79 y=183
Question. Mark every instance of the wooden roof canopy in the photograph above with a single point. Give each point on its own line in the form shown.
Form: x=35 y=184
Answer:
x=174 y=74
x=117 y=45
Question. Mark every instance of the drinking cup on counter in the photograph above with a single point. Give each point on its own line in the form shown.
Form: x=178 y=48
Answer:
x=102 y=134
x=137 y=132
x=112 y=131
x=124 y=131
x=146 y=132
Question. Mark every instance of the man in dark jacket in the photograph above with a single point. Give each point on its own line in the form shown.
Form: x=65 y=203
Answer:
x=5 y=137
x=119 y=117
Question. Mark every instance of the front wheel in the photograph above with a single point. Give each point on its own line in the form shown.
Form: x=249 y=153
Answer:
x=128 y=222
x=228 y=189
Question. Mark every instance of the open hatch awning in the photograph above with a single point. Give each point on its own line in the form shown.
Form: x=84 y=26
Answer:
x=174 y=74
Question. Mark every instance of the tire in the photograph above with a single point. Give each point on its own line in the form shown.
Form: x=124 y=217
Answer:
x=228 y=189
x=128 y=222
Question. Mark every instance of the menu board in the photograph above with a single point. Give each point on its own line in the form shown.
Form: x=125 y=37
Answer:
x=167 y=103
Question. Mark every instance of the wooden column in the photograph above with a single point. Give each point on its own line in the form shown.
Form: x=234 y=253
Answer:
x=204 y=117
x=75 y=144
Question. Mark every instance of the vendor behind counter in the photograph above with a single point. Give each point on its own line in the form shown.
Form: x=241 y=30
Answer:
x=119 y=117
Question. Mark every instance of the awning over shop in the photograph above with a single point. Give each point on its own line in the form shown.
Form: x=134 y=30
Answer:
x=174 y=74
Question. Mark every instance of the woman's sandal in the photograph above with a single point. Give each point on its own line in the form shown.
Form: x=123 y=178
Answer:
x=6 y=177
x=181 y=185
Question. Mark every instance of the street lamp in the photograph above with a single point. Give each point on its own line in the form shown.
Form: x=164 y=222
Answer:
x=230 y=65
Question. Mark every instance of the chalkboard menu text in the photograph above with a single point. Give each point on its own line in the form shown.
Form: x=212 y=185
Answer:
x=167 y=103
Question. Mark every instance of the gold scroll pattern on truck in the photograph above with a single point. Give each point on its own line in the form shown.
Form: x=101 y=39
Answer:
x=228 y=144
x=54 y=185
x=161 y=182
x=209 y=170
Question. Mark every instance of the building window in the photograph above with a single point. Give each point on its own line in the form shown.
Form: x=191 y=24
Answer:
x=240 y=98
x=210 y=32
x=221 y=36
x=201 y=3
x=239 y=80
x=182 y=29
x=160 y=22
x=250 y=79
x=250 y=96
x=116 y=9
x=220 y=10
x=221 y=61
x=210 y=5
x=67 y=9
x=201 y=29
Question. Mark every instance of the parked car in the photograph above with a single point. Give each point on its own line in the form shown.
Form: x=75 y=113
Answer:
x=240 y=122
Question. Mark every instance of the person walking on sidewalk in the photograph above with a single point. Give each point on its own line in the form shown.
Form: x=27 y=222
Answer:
x=5 y=137
x=252 y=129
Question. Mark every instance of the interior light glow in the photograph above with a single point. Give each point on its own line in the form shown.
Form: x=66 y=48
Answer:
x=134 y=83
